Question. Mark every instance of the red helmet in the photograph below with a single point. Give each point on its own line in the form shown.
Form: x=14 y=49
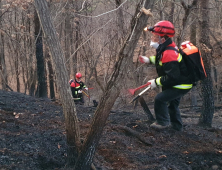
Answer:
x=78 y=75
x=163 y=28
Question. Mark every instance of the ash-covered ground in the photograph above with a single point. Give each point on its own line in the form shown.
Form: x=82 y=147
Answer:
x=32 y=137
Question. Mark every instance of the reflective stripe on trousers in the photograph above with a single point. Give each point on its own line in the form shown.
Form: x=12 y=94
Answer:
x=183 y=86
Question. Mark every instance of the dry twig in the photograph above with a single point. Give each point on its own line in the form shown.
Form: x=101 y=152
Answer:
x=147 y=11
x=206 y=49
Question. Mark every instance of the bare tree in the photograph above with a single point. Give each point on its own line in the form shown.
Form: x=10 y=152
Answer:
x=2 y=56
x=69 y=110
x=188 y=9
x=193 y=39
x=206 y=85
x=50 y=74
x=120 y=20
x=42 y=86
x=68 y=33
x=112 y=89
x=170 y=18
x=76 y=38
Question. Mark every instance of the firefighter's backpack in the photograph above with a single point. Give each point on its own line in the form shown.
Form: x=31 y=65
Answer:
x=193 y=60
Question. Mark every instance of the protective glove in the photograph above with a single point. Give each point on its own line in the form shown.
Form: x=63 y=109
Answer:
x=153 y=83
x=70 y=81
x=79 y=91
x=86 y=88
x=144 y=59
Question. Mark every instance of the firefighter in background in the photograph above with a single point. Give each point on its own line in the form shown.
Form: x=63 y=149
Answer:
x=76 y=87
x=173 y=77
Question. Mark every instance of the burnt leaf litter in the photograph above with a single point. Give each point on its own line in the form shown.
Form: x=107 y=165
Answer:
x=32 y=137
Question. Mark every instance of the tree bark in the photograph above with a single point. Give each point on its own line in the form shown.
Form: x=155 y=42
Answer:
x=206 y=85
x=193 y=40
x=57 y=55
x=120 y=20
x=170 y=18
x=50 y=74
x=68 y=33
x=187 y=9
x=42 y=85
x=76 y=38
x=2 y=56
x=112 y=89
x=16 y=61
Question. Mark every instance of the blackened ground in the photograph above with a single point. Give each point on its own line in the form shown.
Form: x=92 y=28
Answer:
x=32 y=137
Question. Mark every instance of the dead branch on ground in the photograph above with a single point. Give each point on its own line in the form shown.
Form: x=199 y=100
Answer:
x=133 y=133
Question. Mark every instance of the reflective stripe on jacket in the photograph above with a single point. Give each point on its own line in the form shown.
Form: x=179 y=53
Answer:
x=76 y=86
x=171 y=70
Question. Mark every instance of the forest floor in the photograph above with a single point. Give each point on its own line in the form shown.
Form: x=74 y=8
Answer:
x=32 y=137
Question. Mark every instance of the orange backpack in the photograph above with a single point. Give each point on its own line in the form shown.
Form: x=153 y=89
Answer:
x=193 y=61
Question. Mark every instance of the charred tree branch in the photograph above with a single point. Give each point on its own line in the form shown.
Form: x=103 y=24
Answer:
x=133 y=133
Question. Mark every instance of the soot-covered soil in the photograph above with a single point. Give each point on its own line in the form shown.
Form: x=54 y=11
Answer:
x=32 y=137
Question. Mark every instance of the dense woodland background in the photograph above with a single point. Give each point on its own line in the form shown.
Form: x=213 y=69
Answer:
x=98 y=38
x=91 y=34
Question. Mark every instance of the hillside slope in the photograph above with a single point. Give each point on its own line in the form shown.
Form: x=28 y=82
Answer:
x=32 y=136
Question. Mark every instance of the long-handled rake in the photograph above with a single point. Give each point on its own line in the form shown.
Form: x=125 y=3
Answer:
x=140 y=94
x=132 y=91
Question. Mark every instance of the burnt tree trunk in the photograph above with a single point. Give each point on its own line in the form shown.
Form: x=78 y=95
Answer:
x=51 y=80
x=112 y=89
x=206 y=85
x=16 y=61
x=50 y=74
x=42 y=86
x=57 y=55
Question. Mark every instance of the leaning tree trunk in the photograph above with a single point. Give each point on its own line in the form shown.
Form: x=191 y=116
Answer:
x=112 y=89
x=206 y=85
x=57 y=55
